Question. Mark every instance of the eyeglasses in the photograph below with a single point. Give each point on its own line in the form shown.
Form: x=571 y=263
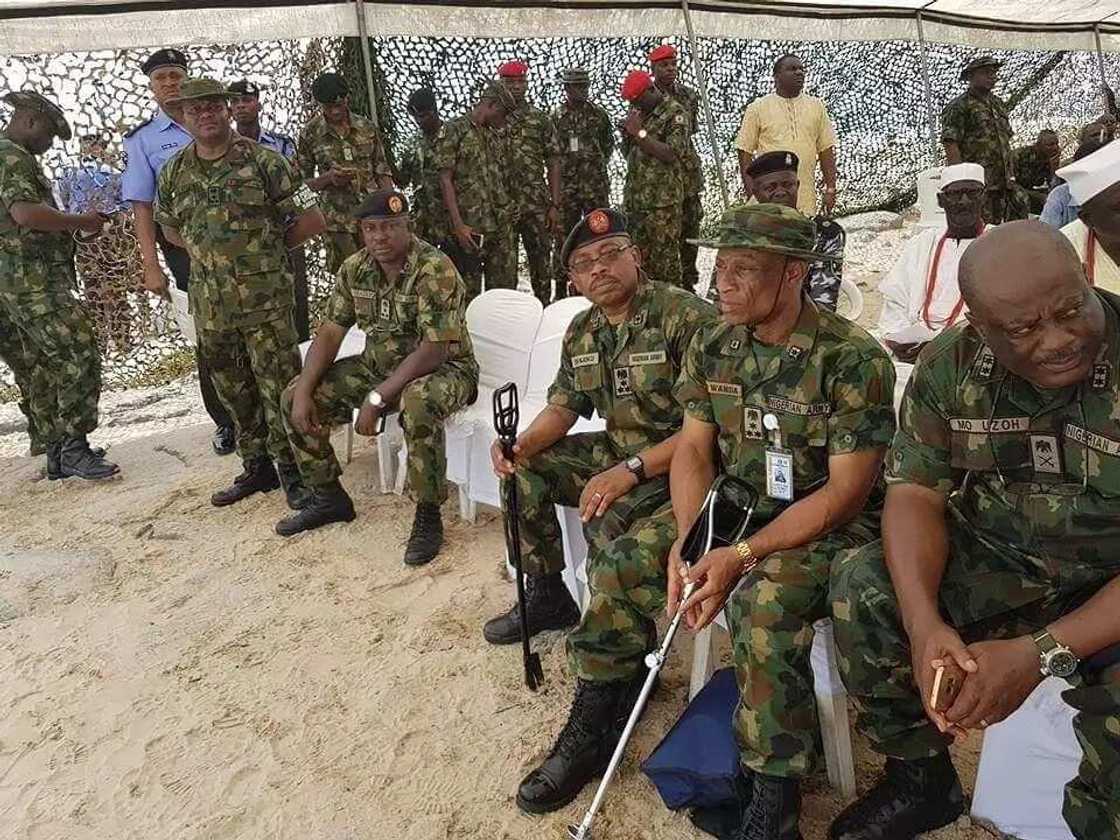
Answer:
x=961 y=195
x=610 y=255
x=205 y=106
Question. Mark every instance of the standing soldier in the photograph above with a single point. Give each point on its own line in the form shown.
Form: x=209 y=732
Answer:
x=407 y=297
x=663 y=63
x=245 y=105
x=656 y=132
x=238 y=207
x=976 y=128
x=49 y=339
x=418 y=169
x=342 y=158
x=534 y=151
x=472 y=165
x=147 y=148
x=797 y=402
x=586 y=142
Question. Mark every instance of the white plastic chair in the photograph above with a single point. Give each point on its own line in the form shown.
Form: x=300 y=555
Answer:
x=929 y=182
x=850 y=304
x=181 y=304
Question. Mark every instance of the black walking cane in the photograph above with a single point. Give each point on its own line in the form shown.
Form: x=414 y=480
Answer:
x=505 y=424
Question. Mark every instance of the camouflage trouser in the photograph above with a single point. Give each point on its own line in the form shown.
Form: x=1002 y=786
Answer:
x=876 y=665
x=250 y=367
x=692 y=211
x=571 y=211
x=771 y=619
x=532 y=229
x=11 y=354
x=424 y=404
x=61 y=363
x=657 y=233
x=1005 y=205
x=340 y=244
x=497 y=262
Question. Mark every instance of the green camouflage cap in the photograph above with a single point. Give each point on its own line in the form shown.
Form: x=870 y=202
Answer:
x=977 y=63
x=32 y=100
x=500 y=93
x=766 y=227
x=200 y=89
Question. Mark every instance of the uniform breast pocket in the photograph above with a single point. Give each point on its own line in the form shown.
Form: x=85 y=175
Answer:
x=261 y=282
x=653 y=375
x=247 y=206
x=728 y=411
x=406 y=311
x=588 y=377
x=976 y=452
x=801 y=432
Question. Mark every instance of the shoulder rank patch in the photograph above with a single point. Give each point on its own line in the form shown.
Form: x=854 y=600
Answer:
x=138 y=127
x=1102 y=376
x=585 y=360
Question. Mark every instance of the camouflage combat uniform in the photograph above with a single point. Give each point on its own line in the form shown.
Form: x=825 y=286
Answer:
x=533 y=145
x=626 y=374
x=981 y=128
x=1035 y=174
x=427 y=302
x=831 y=387
x=51 y=345
x=418 y=169
x=1024 y=548
x=692 y=210
x=476 y=156
x=233 y=214
x=359 y=151
x=655 y=192
x=586 y=142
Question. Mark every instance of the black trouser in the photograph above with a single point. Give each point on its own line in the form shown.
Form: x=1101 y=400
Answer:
x=298 y=259
x=179 y=261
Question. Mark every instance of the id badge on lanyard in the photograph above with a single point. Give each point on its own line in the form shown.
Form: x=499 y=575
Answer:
x=779 y=463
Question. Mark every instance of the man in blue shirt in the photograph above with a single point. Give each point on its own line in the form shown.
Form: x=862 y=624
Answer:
x=245 y=104
x=147 y=148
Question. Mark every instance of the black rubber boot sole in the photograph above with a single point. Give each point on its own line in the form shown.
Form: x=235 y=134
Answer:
x=538 y=808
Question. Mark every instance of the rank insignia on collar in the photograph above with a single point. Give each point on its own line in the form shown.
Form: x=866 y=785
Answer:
x=985 y=364
x=622 y=382
x=794 y=352
x=384 y=309
x=1102 y=376
x=597 y=320
x=735 y=344
x=639 y=320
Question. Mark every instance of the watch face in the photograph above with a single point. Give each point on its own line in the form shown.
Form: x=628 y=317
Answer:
x=1061 y=663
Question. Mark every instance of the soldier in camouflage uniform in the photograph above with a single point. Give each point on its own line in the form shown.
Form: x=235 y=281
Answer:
x=1002 y=536
x=49 y=341
x=1035 y=166
x=342 y=158
x=656 y=142
x=534 y=148
x=586 y=144
x=976 y=128
x=408 y=298
x=238 y=207
x=663 y=65
x=418 y=169
x=797 y=402
x=471 y=155
x=620 y=358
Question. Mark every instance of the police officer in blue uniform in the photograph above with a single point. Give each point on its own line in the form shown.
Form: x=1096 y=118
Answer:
x=147 y=148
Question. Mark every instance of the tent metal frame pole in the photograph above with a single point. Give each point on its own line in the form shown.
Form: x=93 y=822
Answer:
x=1100 y=54
x=367 y=61
x=931 y=116
x=702 y=82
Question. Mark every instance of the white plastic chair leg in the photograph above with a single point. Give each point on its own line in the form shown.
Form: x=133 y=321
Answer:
x=832 y=713
x=702 y=660
x=467 y=508
x=385 y=463
x=402 y=472
x=349 y=442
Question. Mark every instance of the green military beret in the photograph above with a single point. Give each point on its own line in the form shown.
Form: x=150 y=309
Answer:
x=598 y=224
x=499 y=93
x=766 y=227
x=977 y=63
x=34 y=101
x=200 y=89
x=383 y=204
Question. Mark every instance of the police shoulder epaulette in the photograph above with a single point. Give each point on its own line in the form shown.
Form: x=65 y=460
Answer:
x=138 y=127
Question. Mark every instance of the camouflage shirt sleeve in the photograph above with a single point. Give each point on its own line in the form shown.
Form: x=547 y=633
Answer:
x=447 y=146
x=305 y=157
x=340 y=305
x=563 y=391
x=682 y=324
x=862 y=398
x=607 y=140
x=691 y=390
x=676 y=134
x=920 y=453
x=288 y=195
x=18 y=180
x=165 y=198
x=552 y=138
x=439 y=291
x=954 y=122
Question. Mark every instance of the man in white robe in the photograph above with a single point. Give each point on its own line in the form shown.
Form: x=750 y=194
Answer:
x=1094 y=183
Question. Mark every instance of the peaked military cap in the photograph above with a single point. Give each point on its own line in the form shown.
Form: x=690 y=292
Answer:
x=34 y=101
x=164 y=58
x=766 y=227
x=778 y=161
x=499 y=93
x=977 y=63
x=200 y=89
x=329 y=88
x=244 y=87
x=575 y=76
x=600 y=223
x=383 y=204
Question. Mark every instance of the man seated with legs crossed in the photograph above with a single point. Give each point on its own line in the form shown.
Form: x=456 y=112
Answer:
x=1000 y=558
x=797 y=401
x=620 y=358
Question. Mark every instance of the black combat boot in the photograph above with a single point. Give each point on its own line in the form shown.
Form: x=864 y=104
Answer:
x=775 y=810
x=224 y=440
x=581 y=752
x=724 y=820
x=295 y=491
x=549 y=606
x=426 y=537
x=913 y=797
x=259 y=477
x=73 y=457
x=329 y=503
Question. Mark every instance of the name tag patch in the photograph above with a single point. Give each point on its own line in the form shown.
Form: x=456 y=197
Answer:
x=586 y=360
x=1096 y=442
x=656 y=357
x=726 y=389
x=804 y=409
x=997 y=425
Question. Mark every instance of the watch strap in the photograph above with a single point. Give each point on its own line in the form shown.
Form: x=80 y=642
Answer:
x=1044 y=641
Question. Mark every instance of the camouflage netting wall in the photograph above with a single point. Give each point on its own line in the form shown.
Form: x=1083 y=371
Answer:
x=874 y=91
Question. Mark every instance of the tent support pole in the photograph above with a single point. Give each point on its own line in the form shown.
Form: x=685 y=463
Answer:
x=701 y=81
x=1100 y=54
x=931 y=116
x=367 y=61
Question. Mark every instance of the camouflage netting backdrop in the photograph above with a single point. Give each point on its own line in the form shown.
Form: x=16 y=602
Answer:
x=874 y=92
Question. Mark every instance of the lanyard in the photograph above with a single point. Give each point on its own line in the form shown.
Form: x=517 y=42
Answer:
x=931 y=285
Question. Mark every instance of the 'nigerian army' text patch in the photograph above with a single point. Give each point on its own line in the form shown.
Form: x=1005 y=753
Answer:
x=790 y=407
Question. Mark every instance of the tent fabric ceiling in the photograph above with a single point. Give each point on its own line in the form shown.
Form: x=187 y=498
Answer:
x=30 y=26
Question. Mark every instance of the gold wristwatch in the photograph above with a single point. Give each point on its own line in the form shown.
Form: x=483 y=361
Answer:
x=746 y=555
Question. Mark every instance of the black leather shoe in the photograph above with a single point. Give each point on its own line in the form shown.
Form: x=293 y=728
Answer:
x=223 y=441
x=775 y=810
x=427 y=535
x=296 y=493
x=328 y=504
x=913 y=797
x=259 y=477
x=548 y=604
x=581 y=752
x=73 y=458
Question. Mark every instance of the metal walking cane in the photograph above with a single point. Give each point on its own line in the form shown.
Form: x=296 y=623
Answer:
x=506 y=417
x=723 y=520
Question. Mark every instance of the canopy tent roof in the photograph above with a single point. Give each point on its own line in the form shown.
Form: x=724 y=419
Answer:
x=34 y=26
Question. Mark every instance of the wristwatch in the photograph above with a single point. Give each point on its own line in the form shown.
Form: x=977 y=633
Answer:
x=1055 y=659
x=375 y=399
x=642 y=134
x=638 y=468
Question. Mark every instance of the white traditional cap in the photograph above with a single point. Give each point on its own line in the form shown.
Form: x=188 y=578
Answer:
x=1093 y=174
x=961 y=172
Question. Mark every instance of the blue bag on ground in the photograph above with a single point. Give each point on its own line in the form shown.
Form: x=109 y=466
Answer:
x=695 y=765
